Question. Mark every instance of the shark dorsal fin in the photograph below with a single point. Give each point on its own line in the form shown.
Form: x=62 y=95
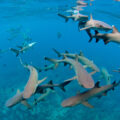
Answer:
x=81 y=53
x=97 y=85
x=115 y=30
x=91 y=17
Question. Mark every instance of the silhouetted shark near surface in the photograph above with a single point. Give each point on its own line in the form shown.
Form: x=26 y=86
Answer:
x=81 y=58
x=84 y=78
x=94 y=25
x=107 y=37
x=75 y=17
x=82 y=98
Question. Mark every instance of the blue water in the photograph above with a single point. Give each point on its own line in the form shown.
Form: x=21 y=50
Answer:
x=38 y=19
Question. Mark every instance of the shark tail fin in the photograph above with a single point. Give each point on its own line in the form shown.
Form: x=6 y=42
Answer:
x=57 y=52
x=51 y=83
x=62 y=85
x=15 y=51
x=63 y=16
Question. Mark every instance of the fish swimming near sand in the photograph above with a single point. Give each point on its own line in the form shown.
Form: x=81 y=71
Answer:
x=107 y=37
x=84 y=78
x=82 y=98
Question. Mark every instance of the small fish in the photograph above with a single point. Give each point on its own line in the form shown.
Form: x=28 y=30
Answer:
x=82 y=98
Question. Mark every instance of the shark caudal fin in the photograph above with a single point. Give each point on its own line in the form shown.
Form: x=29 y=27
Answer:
x=63 y=16
x=58 y=53
x=62 y=85
x=15 y=51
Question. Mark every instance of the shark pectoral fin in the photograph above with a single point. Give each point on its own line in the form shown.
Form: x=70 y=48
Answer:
x=85 y=28
x=25 y=103
x=40 y=81
x=70 y=66
x=85 y=66
x=92 y=73
x=85 y=103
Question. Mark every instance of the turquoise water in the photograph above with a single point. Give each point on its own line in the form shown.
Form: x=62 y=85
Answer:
x=38 y=19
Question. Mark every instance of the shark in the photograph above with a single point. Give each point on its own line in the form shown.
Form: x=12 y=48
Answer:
x=82 y=98
x=16 y=99
x=42 y=88
x=22 y=48
x=105 y=75
x=84 y=78
x=81 y=58
x=93 y=25
x=33 y=81
x=107 y=37
x=74 y=17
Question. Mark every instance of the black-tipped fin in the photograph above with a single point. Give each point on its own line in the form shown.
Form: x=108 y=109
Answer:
x=63 y=16
x=15 y=51
x=58 y=53
x=97 y=85
x=62 y=85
